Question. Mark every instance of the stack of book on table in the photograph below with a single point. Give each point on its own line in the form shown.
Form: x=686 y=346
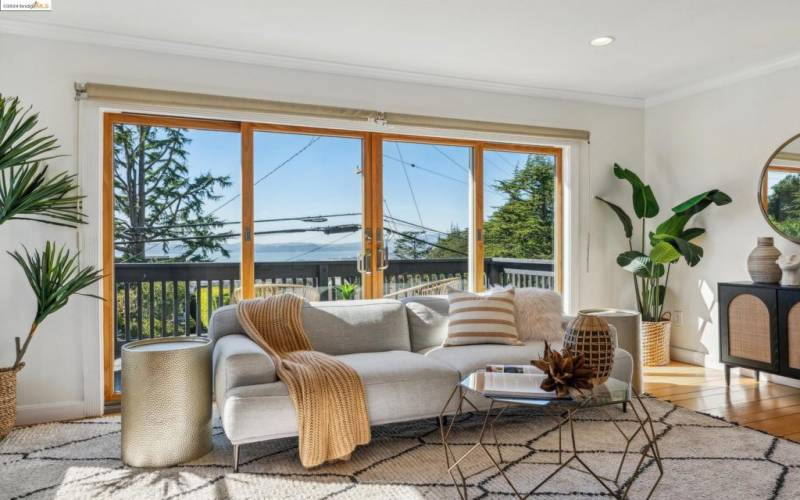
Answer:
x=513 y=381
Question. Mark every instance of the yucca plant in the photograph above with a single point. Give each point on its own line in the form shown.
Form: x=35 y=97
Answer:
x=54 y=276
x=21 y=142
x=26 y=192
x=670 y=241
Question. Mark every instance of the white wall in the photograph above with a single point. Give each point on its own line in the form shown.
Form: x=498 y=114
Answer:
x=60 y=380
x=718 y=139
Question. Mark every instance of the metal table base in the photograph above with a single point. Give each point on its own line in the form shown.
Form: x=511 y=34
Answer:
x=564 y=417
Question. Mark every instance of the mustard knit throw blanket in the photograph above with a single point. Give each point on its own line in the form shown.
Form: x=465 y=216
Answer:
x=327 y=394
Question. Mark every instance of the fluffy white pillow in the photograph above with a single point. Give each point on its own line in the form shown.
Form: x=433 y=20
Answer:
x=538 y=314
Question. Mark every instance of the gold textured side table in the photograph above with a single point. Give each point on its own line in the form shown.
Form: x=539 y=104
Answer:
x=166 y=401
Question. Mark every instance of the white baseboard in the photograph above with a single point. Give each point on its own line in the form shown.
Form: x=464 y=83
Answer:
x=687 y=356
x=49 y=412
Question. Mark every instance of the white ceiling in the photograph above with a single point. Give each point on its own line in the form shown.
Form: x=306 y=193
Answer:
x=663 y=48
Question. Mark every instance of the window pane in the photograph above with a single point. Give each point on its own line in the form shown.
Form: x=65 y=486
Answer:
x=519 y=219
x=176 y=224
x=426 y=217
x=308 y=213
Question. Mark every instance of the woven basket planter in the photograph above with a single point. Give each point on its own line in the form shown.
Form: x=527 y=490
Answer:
x=655 y=343
x=592 y=336
x=8 y=400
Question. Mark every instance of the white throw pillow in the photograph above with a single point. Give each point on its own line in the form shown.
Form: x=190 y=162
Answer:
x=481 y=319
x=538 y=314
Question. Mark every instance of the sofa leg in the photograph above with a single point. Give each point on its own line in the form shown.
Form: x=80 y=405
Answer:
x=625 y=407
x=236 y=458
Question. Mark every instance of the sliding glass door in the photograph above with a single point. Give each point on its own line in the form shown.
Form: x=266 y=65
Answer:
x=198 y=214
x=173 y=225
x=522 y=217
x=308 y=215
x=425 y=217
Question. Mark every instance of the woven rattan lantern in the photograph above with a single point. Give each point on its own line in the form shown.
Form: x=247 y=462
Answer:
x=593 y=337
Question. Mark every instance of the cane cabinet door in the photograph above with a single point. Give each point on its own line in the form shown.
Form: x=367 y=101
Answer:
x=748 y=323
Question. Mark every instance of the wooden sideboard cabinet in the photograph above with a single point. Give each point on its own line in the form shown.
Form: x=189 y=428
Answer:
x=759 y=328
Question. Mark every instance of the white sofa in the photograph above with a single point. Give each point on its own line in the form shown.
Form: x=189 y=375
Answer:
x=393 y=345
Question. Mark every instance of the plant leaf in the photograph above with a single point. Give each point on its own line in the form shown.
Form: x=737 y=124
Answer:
x=639 y=264
x=691 y=253
x=698 y=203
x=692 y=233
x=54 y=275
x=644 y=201
x=20 y=142
x=674 y=225
x=26 y=193
x=627 y=225
x=664 y=253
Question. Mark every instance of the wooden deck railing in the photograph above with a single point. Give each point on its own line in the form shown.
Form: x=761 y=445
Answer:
x=167 y=299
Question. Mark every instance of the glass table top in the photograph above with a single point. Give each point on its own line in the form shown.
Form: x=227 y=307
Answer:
x=613 y=391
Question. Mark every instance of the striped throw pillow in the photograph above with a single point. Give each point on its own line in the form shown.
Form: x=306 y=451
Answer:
x=481 y=319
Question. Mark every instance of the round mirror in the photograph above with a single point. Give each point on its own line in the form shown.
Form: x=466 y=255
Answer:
x=779 y=191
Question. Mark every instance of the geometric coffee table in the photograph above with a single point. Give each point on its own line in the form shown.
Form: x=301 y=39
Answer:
x=612 y=392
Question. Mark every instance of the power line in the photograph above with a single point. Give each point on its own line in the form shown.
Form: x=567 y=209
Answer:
x=278 y=167
x=430 y=229
x=408 y=180
x=406 y=235
x=320 y=247
x=491 y=162
x=238 y=195
x=437 y=148
x=417 y=166
x=308 y=218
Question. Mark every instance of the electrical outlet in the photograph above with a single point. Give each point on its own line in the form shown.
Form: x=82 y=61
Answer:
x=677 y=318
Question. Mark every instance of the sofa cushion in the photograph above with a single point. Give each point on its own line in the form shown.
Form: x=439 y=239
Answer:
x=353 y=326
x=538 y=312
x=481 y=319
x=427 y=320
x=338 y=327
x=399 y=385
x=469 y=358
x=239 y=361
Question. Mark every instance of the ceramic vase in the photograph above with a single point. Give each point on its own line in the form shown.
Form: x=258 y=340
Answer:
x=592 y=336
x=762 y=262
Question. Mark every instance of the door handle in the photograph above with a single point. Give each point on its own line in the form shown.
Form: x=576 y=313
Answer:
x=364 y=262
x=384 y=259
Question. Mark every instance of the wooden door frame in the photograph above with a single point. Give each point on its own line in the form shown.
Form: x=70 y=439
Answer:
x=107 y=219
x=558 y=223
x=372 y=203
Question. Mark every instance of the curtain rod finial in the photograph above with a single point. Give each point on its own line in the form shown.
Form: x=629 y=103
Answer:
x=80 y=91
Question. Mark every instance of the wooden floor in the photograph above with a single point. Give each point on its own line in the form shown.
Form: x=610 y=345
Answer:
x=764 y=406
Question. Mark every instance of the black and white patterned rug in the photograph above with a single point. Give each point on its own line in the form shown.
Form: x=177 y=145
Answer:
x=704 y=458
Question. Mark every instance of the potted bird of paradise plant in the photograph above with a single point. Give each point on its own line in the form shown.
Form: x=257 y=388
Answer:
x=651 y=260
x=28 y=193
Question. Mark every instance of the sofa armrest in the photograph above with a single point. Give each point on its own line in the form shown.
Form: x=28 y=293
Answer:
x=238 y=361
x=565 y=319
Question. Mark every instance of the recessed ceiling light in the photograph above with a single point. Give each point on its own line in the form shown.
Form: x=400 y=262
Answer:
x=602 y=41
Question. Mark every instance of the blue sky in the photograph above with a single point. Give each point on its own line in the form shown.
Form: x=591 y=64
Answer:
x=324 y=179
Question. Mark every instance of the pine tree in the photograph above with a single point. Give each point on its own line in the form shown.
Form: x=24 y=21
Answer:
x=156 y=198
x=453 y=245
x=523 y=227
x=410 y=245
